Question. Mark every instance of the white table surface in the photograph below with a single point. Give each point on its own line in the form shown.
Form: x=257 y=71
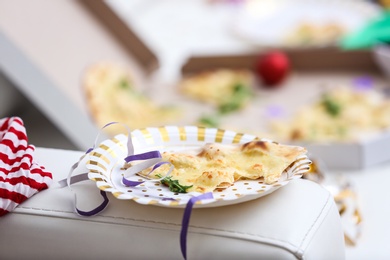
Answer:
x=373 y=194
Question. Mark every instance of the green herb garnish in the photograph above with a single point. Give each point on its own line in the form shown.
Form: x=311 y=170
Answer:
x=173 y=185
x=124 y=83
x=209 y=121
x=229 y=107
x=331 y=106
x=240 y=95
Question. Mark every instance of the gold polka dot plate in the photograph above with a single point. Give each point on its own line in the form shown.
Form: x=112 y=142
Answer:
x=105 y=165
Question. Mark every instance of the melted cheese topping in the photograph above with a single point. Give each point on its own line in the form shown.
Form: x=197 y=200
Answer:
x=360 y=113
x=209 y=85
x=219 y=166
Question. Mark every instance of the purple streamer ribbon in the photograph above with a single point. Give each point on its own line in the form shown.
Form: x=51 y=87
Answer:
x=78 y=178
x=363 y=83
x=275 y=111
x=84 y=176
x=96 y=210
x=149 y=159
x=186 y=220
x=143 y=156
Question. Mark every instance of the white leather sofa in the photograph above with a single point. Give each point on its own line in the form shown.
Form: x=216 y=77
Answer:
x=298 y=221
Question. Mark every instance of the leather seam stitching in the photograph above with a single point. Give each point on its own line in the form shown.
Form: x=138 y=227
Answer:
x=316 y=221
x=159 y=222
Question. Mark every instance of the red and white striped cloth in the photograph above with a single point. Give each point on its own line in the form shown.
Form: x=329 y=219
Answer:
x=20 y=176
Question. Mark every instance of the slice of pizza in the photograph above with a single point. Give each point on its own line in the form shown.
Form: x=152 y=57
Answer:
x=218 y=166
x=226 y=89
x=112 y=97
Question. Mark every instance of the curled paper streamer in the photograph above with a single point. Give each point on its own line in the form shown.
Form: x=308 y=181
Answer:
x=148 y=159
x=78 y=178
x=186 y=220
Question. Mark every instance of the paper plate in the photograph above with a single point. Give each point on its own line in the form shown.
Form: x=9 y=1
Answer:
x=106 y=161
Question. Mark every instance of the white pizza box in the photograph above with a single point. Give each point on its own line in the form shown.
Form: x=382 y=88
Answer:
x=45 y=46
x=310 y=69
x=355 y=155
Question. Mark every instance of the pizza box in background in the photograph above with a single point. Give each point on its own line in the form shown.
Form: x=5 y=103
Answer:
x=45 y=58
x=53 y=84
x=352 y=156
x=309 y=69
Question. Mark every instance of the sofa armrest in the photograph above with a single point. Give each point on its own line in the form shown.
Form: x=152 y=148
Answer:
x=297 y=221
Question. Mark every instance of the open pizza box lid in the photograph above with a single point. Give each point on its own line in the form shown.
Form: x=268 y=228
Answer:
x=45 y=58
x=312 y=68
